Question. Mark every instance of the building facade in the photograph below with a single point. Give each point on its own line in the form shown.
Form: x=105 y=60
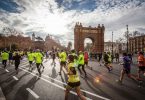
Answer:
x=15 y=42
x=117 y=47
x=51 y=43
x=20 y=42
x=137 y=44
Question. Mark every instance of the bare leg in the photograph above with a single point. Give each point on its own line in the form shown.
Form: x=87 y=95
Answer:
x=60 y=69
x=122 y=75
x=106 y=65
x=67 y=92
x=79 y=93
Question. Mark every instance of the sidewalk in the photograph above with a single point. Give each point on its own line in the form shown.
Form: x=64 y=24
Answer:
x=2 y=97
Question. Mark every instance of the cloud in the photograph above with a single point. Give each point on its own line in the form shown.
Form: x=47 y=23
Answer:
x=58 y=17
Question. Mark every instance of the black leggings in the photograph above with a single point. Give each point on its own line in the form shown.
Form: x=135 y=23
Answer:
x=83 y=68
x=38 y=67
x=4 y=62
x=16 y=66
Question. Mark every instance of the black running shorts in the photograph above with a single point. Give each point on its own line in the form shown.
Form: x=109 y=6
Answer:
x=74 y=84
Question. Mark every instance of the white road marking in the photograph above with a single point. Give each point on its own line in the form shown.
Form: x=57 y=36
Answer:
x=47 y=76
x=15 y=78
x=98 y=96
x=32 y=92
x=25 y=63
x=7 y=70
x=23 y=66
x=53 y=83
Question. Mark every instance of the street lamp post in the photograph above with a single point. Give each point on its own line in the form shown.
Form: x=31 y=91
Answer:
x=112 y=43
x=127 y=37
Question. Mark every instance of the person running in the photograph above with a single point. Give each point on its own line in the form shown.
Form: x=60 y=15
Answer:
x=100 y=57
x=38 y=60
x=126 y=68
x=30 y=59
x=75 y=58
x=107 y=60
x=73 y=79
x=17 y=59
x=117 y=57
x=81 y=63
x=141 y=64
x=53 y=55
x=130 y=56
x=63 y=58
x=42 y=60
x=5 y=57
x=110 y=60
x=10 y=57
x=47 y=55
x=86 y=59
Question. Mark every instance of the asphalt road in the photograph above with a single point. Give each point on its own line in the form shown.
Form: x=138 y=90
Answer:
x=27 y=86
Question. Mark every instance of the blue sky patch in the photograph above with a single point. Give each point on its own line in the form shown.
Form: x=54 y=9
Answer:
x=78 y=5
x=9 y=6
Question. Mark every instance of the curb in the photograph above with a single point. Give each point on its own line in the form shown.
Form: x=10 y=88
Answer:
x=2 y=97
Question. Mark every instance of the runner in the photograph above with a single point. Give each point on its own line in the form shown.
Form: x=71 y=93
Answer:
x=126 y=68
x=47 y=55
x=141 y=64
x=81 y=63
x=75 y=57
x=107 y=60
x=100 y=57
x=53 y=55
x=42 y=60
x=5 y=57
x=117 y=57
x=63 y=57
x=86 y=59
x=17 y=59
x=38 y=60
x=10 y=57
x=30 y=59
x=73 y=79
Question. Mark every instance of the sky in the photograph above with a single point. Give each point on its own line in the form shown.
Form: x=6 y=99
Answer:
x=58 y=17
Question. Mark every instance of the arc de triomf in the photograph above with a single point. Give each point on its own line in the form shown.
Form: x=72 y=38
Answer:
x=96 y=34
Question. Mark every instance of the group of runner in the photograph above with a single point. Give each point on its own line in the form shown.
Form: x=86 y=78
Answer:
x=71 y=62
x=126 y=62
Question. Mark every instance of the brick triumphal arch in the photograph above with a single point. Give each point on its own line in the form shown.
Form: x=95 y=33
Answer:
x=96 y=34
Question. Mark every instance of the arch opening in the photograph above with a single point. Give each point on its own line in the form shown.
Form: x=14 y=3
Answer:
x=88 y=44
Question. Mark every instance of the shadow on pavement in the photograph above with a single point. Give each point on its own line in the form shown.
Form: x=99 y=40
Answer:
x=22 y=93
